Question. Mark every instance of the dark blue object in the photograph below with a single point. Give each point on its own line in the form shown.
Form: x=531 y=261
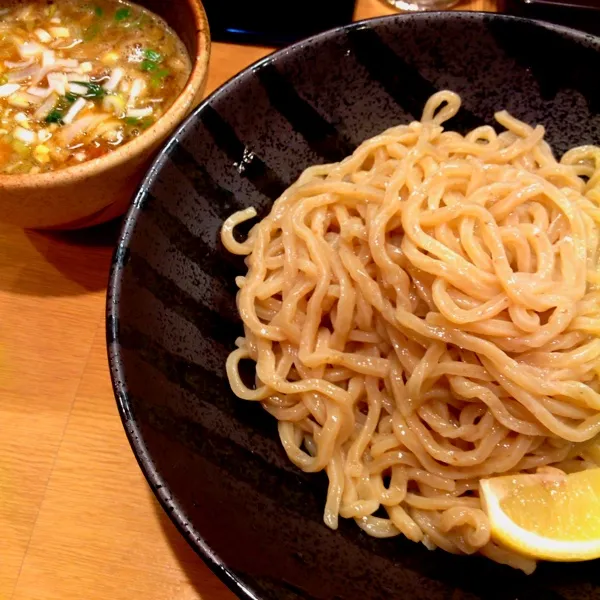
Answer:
x=215 y=462
x=274 y=22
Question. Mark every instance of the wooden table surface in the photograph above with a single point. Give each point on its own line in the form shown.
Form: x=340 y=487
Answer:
x=77 y=520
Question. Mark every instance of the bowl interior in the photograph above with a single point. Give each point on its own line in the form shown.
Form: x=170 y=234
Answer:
x=215 y=462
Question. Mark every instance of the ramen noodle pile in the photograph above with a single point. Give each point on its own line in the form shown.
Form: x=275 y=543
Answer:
x=425 y=314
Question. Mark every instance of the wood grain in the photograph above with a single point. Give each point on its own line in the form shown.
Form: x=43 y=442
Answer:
x=77 y=519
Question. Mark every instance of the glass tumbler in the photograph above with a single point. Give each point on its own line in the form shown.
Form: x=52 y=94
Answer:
x=414 y=5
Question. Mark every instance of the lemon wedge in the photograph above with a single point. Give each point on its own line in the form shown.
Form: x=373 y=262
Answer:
x=547 y=515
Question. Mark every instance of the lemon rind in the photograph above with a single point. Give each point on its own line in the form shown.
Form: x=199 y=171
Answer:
x=506 y=531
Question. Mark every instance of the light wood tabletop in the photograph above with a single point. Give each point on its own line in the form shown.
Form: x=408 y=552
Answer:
x=77 y=520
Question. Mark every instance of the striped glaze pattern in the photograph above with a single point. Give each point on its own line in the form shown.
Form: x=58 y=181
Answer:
x=215 y=462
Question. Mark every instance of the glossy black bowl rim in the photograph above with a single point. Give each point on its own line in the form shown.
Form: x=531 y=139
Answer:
x=153 y=477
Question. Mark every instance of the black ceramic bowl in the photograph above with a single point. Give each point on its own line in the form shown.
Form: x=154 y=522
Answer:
x=215 y=462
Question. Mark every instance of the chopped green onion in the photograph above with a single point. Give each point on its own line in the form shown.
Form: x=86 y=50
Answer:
x=143 y=123
x=91 y=32
x=98 y=11
x=142 y=20
x=153 y=55
x=58 y=112
x=122 y=14
x=158 y=78
x=55 y=116
x=148 y=65
x=94 y=90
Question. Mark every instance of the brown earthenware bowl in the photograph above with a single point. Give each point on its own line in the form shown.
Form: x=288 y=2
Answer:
x=102 y=188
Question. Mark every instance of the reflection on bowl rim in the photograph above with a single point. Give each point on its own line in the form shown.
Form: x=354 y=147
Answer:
x=144 y=142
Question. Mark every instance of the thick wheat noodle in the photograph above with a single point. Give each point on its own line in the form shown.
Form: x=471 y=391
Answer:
x=426 y=313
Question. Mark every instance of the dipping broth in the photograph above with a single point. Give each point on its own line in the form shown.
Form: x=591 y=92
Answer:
x=80 y=78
